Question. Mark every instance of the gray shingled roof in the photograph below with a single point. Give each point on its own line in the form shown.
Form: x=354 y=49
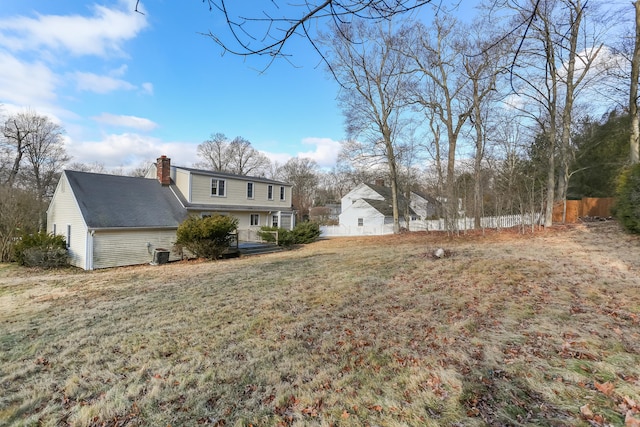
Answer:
x=111 y=201
x=385 y=206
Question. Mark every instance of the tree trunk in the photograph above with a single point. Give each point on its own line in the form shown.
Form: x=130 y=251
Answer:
x=633 y=92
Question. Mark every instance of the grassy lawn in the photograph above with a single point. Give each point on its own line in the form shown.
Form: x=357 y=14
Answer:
x=508 y=329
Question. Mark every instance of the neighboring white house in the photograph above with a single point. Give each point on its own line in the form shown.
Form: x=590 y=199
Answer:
x=111 y=220
x=369 y=205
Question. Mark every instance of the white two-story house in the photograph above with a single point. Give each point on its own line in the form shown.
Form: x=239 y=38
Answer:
x=111 y=220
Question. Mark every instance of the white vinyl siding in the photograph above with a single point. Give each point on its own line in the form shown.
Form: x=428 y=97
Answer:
x=129 y=247
x=360 y=213
x=183 y=182
x=64 y=211
x=235 y=194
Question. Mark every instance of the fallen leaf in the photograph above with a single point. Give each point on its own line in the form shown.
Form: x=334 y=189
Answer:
x=345 y=414
x=586 y=412
x=630 y=420
x=604 y=388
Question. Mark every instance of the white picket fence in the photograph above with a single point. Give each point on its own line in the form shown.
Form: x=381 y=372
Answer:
x=504 y=221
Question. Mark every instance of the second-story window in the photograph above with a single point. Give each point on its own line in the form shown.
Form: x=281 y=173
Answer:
x=217 y=187
x=249 y=190
x=282 y=193
x=270 y=192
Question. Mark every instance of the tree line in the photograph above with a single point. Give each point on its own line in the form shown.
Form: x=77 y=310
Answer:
x=496 y=102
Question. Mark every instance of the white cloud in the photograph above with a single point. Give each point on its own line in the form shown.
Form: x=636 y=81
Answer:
x=132 y=122
x=325 y=153
x=147 y=88
x=26 y=83
x=91 y=82
x=101 y=34
x=128 y=150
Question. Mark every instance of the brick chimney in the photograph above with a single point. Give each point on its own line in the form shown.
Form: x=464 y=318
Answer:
x=164 y=170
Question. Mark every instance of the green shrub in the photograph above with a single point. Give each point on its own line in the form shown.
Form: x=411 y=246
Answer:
x=207 y=237
x=284 y=237
x=306 y=232
x=627 y=208
x=41 y=250
x=302 y=233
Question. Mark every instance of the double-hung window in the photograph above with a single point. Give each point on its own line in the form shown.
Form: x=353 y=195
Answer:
x=218 y=187
x=282 y=193
x=249 y=190
x=270 y=192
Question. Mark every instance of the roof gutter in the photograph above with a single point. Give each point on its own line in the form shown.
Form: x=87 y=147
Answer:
x=166 y=227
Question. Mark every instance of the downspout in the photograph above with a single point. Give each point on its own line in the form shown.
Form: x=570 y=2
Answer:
x=89 y=250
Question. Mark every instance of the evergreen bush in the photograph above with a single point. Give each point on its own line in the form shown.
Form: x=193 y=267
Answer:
x=41 y=250
x=207 y=237
x=302 y=233
x=306 y=232
x=627 y=208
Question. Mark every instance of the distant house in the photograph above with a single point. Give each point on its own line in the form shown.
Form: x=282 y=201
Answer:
x=327 y=214
x=111 y=220
x=370 y=205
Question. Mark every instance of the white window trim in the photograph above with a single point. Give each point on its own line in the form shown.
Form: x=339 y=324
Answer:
x=251 y=219
x=218 y=181
x=253 y=190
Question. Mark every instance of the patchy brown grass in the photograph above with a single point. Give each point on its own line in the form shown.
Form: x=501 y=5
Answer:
x=508 y=329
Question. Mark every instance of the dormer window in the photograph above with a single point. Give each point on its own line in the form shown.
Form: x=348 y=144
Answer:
x=218 y=187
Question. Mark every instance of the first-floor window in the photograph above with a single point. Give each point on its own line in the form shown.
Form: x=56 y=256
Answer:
x=217 y=187
x=360 y=222
x=255 y=219
x=68 y=235
x=274 y=220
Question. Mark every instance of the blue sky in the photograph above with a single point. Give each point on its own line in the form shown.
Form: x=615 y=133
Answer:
x=128 y=87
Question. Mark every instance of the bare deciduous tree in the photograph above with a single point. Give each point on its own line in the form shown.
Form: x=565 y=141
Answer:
x=438 y=57
x=236 y=156
x=36 y=146
x=633 y=92
x=302 y=174
x=19 y=213
x=552 y=68
x=367 y=61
